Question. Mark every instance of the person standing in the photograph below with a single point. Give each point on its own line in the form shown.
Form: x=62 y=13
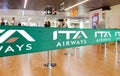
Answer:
x=7 y=24
x=45 y=25
x=49 y=24
x=19 y=23
x=13 y=22
x=2 y=22
x=101 y=23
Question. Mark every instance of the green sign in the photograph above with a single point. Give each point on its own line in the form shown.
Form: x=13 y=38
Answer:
x=21 y=40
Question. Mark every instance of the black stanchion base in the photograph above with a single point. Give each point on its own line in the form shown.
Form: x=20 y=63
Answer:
x=50 y=64
x=68 y=54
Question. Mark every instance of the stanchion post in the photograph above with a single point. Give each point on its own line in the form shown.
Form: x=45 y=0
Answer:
x=50 y=71
x=68 y=52
x=75 y=52
x=105 y=47
x=105 y=50
x=50 y=63
x=116 y=49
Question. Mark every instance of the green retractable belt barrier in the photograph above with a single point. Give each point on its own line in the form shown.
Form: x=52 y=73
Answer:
x=21 y=40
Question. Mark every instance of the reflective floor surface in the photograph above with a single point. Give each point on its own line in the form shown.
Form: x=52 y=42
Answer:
x=81 y=61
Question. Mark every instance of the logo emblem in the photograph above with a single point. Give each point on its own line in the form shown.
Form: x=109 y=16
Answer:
x=77 y=34
x=9 y=33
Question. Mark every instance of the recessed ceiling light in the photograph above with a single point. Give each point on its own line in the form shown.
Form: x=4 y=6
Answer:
x=25 y=3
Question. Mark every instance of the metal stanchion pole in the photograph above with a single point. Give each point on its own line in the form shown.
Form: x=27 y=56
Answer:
x=105 y=51
x=75 y=52
x=68 y=52
x=50 y=71
x=116 y=48
x=50 y=64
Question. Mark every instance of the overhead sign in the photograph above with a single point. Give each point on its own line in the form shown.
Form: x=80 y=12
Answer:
x=50 y=11
x=22 y=40
x=62 y=6
x=74 y=11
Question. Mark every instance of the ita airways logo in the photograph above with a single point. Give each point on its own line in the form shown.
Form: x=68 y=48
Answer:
x=117 y=35
x=5 y=34
x=70 y=38
x=103 y=36
x=76 y=34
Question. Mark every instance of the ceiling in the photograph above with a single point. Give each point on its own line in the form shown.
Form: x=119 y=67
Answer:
x=42 y=4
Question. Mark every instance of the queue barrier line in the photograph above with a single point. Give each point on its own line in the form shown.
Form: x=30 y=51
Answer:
x=16 y=40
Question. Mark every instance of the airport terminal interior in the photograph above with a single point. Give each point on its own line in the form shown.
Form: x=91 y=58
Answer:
x=101 y=59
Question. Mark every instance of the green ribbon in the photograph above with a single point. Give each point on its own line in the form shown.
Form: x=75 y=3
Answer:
x=15 y=40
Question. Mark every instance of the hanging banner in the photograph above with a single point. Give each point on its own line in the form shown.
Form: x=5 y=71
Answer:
x=22 y=40
x=95 y=17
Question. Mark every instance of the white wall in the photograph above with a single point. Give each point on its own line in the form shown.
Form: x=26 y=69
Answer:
x=113 y=17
